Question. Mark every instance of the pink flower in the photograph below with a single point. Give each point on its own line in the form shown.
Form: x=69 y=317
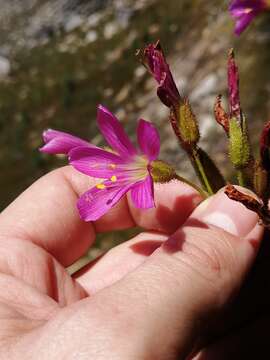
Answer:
x=123 y=169
x=154 y=59
x=244 y=11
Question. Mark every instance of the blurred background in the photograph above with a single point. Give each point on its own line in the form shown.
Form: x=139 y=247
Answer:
x=60 y=58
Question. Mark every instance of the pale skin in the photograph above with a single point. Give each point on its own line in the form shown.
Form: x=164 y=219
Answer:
x=150 y=298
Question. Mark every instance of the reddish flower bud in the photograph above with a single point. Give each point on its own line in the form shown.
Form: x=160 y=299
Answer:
x=154 y=60
x=233 y=87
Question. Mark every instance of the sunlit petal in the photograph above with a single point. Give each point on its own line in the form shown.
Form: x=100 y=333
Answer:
x=95 y=202
x=142 y=194
x=59 y=142
x=114 y=133
x=95 y=162
x=148 y=139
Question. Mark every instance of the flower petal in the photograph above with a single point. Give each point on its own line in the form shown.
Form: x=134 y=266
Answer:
x=142 y=194
x=113 y=132
x=242 y=23
x=58 y=142
x=148 y=139
x=96 y=202
x=95 y=162
x=245 y=11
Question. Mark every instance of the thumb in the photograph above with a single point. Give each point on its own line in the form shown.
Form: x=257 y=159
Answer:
x=160 y=310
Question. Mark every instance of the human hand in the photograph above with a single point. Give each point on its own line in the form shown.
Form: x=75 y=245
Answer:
x=153 y=297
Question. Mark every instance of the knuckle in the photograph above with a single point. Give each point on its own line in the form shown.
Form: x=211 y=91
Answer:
x=214 y=252
x=208 y=254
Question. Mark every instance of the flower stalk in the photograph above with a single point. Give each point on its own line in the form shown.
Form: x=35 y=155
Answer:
x=199 y=168
x=203 y=193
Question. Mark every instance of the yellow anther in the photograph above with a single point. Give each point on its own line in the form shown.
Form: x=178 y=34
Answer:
x=112 y=166
x=113 y=178
x=100 y=186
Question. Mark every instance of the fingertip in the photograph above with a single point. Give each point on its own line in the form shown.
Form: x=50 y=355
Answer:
x=174 y=202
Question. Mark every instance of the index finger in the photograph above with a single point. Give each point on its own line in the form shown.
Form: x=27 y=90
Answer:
x=46 y=214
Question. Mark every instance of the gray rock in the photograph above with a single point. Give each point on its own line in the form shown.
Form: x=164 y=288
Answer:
x=4 y=66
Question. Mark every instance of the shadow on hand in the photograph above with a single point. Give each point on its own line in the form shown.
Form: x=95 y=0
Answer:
x=170 y=219
x=253 y=300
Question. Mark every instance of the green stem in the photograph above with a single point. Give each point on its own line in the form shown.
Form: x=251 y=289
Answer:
x=244 y=180
x=203 y=193
x=200 y=170
x=241 y=178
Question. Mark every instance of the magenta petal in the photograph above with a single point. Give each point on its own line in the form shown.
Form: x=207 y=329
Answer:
x=245 y=11
x=148 y=139
x=58 y=142
x=96 y=202
x=95 y=162
x=142 y=194
x=243 y=23
x=114 y=133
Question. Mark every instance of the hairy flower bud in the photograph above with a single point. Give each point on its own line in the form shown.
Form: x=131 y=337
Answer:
x=187 y=125
x=239 y=147
x=161 y=172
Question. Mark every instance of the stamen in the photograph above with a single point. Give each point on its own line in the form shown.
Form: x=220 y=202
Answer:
x=100 y=186
x=113 y=178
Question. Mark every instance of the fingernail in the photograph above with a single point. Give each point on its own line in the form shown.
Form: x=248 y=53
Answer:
x=226 y=214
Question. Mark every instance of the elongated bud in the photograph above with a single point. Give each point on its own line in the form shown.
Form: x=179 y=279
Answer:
x=239 y=147
x=161 y=172
x=233 y=87
x=221 y=116
x=153 y=58
x=265 y=147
